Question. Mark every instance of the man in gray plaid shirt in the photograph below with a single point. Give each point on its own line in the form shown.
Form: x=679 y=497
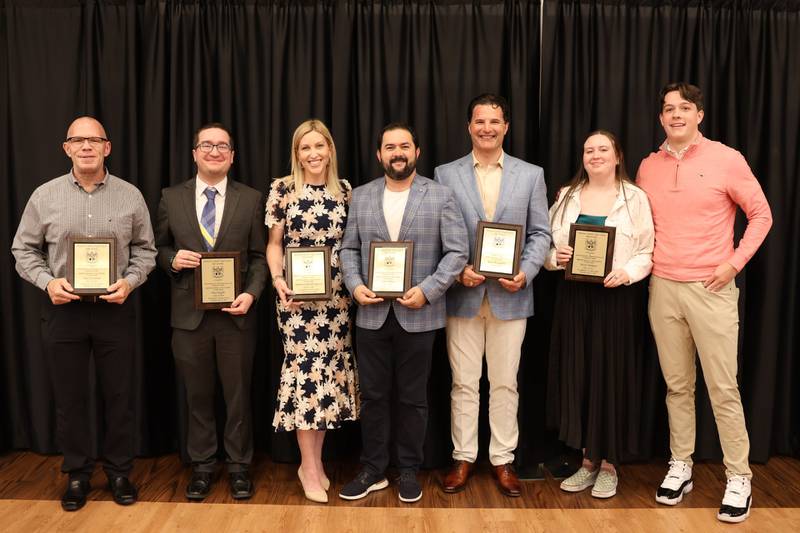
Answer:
x=88 y=202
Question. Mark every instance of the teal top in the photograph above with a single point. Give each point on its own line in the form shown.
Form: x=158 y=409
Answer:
x=594 y=220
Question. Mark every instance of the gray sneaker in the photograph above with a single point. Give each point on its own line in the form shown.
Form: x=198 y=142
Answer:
x=580 y=480
x=363 y=484
x=605 y=486
x=409 y=489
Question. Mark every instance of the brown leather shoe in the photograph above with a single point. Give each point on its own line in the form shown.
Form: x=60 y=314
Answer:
x=507 y=480
x=456 y=478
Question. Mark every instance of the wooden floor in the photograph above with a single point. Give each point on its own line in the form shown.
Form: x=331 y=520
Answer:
x=31 y=486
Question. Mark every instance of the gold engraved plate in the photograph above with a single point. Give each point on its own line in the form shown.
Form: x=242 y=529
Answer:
x=218 y=280
x=92 y=265
x=308 y=273
x=389 y=270
x=589 y=256
x=498 y=250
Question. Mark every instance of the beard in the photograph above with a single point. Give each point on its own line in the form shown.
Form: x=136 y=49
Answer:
x=403 y=173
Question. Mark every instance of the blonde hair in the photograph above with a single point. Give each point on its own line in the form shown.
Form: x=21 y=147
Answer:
x=296 y=177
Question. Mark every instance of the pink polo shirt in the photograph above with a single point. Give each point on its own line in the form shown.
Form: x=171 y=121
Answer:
x=694 y=201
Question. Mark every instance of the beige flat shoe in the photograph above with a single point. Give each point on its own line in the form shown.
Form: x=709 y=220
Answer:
x=319 y=496
x=326 y=483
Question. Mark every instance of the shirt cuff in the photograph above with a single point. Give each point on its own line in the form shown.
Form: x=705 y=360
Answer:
x=43 y=279
x=737 y=261
x=132 y=280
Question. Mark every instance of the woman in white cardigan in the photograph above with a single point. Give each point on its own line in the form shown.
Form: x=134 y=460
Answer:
x=597 y=337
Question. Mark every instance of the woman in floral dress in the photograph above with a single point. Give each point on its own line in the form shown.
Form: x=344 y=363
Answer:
x=318 y=388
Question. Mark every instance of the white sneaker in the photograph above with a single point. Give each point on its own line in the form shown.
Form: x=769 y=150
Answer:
x=677 y=482
x=736 y=502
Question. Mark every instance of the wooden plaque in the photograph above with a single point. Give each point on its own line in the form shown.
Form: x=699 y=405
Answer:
x=308 y=273
x=216 y=280
x=498 y=248
x=592 y=252
x=91 y=264
x=390 y=264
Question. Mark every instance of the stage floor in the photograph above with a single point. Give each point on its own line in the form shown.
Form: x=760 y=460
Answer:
x=31 y=486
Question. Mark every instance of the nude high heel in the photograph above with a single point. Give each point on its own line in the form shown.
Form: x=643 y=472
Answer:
x=319 y=496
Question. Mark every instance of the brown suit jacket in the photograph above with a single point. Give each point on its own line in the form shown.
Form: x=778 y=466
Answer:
x=242 y=229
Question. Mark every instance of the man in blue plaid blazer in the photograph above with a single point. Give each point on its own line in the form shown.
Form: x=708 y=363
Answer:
x=490 y=315
x=394 y=338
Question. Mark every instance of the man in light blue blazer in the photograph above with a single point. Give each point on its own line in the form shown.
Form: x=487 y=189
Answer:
x=490 y=316
x=394 y=338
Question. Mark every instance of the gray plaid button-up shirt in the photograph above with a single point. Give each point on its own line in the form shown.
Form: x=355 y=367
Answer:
x=61 y=208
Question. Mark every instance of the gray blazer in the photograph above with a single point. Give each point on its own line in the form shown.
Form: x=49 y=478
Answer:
x=242 y=229
x=433 y=221
x=522 y=200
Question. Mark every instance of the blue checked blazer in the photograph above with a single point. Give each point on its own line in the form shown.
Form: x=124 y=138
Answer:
x=522 y=200
x=433 y=221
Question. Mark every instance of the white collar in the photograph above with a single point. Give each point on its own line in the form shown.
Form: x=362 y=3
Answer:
x=201 y=186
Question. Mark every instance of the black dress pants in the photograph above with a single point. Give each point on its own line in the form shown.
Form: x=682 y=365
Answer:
x=72 y=334
x=391 y=359
x=217 y=347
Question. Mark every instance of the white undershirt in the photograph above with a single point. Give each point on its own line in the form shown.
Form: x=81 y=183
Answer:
x=219 y=200
x=394 y=205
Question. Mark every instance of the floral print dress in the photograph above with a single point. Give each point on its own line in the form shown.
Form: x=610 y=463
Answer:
x=318 y=387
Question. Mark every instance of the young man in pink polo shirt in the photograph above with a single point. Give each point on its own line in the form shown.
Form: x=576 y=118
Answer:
x=695 y=185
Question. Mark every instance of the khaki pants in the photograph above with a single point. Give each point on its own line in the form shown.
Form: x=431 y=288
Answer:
x=501 y=340
x=686 y=317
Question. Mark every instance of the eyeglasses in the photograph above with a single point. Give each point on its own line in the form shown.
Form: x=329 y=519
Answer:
x=207 y=147
x=94 y=141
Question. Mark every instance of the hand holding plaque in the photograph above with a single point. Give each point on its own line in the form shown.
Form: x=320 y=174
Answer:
x=593 y=252
x=497 y=249
x=390 y=265
x=308 y=273
x=216 y=280
x=91 y=265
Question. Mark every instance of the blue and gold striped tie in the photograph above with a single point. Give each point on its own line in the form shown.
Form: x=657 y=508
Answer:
x=207 y=218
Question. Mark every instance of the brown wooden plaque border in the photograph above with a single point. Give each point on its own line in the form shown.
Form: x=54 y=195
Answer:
x=298 y=250
x=482 y=225
x=409 y=246
x=198 y=279
x=112 y=257
x=611 y=231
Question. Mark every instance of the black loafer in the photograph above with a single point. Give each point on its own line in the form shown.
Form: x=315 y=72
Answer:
x=241 y=486
x=122 y=489
x=75 y=496
x=199 y=486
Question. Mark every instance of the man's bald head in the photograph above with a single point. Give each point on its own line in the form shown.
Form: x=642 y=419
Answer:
x=86 y=123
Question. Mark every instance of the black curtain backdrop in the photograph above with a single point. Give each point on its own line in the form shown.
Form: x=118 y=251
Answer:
x=153 y=71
